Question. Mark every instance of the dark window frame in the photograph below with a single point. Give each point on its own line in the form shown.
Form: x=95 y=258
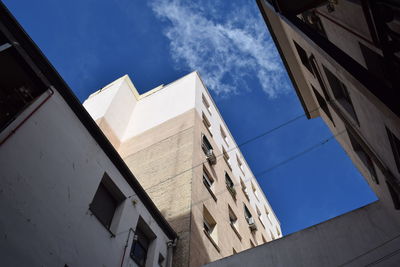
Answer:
x=395 y=146
x=303 y=57
x=363 y=156
x=20 y=85
x=106 y=191
x=322 y=104
x=341 y=94
x=141 y=243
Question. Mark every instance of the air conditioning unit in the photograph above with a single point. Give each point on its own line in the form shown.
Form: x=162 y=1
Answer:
x=211 y=157
x=252 y=224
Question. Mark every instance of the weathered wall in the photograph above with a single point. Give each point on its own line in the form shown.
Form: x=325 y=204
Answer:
x=161 y=158
x=50 y=170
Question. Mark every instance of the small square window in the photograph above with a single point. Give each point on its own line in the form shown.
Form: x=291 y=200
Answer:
x=141 y=242
x=105 y=201
x=395 y=144
x=341 y=93
x=303 y=56
x=208 y=181
x=206 y=103
x=255 y=191
x=224 y=136
x=230 y=185
x=322 y=104
x=210 y=227
x=240 y=163
x=363 y=156
x=244 y=189
x=226 y=157
x=206 y=123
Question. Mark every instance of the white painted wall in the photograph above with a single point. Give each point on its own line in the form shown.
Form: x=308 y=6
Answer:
x=50 y=170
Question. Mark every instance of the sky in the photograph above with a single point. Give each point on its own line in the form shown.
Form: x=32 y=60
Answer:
x=93 y=42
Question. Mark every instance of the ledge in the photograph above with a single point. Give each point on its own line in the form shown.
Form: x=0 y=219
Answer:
x=212 y=241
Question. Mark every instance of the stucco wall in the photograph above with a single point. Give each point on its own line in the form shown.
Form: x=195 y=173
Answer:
x=50 y=170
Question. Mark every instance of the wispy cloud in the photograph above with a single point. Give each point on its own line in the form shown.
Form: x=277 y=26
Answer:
x=228 y=46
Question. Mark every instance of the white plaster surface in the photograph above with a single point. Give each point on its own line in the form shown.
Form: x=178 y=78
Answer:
x=50 y=170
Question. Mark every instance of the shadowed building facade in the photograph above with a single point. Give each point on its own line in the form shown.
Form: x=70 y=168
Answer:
x=174 y=139
x=343 y=60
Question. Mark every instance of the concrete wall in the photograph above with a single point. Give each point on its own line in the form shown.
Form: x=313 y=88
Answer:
x=51 y=168
x=359 y=238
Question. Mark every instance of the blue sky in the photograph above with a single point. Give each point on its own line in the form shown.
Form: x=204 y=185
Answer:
x=92 y=43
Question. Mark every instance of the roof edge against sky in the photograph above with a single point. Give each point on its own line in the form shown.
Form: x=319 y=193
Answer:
x=10 y=22
x=278 y=47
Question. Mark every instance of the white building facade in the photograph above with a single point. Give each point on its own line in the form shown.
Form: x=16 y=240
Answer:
x=66 y=197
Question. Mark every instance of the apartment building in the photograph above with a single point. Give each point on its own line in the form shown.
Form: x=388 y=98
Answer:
x=66 y=196
x=176 y=142
x=343 y=60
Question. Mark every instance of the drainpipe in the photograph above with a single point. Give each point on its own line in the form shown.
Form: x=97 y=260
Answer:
x=170 y=247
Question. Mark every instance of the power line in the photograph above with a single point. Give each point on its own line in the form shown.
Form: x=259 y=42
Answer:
x=236 y=147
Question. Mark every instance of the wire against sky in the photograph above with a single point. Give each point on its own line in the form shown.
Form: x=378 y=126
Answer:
x=265 y=133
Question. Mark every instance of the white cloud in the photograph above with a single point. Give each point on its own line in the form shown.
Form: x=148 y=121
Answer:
x=228 y=48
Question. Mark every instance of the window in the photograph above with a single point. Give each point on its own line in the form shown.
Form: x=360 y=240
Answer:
x=105 y=201
x=240 y=163
x=19 y=84
x=272 y=235
x=255 y=192
x=208 y=181
x=206 y=123
x=224 y=136
x=395 y=144
x=363 y=156
x=395 y=196
x=210 y=227
x=263 y=239
x=249 y=218
x=232 y=217
x=141 y=243
x=230 y=185
x=208 y=150
x=303 y=56
x=161 y=260
x=205 y=103
x=375 y=63
x=233 y=221
x=244 y=188
x=268 y=215
x=226 y=157
x=252 y=244
x=341 y=93
x=310 y=18
x=322 y=103
x=278 y=232
x=259 y=216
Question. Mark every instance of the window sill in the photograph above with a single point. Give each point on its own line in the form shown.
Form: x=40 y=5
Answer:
x=236 y=231
x=112 y=235
x=211 y=192
x=212 y=241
